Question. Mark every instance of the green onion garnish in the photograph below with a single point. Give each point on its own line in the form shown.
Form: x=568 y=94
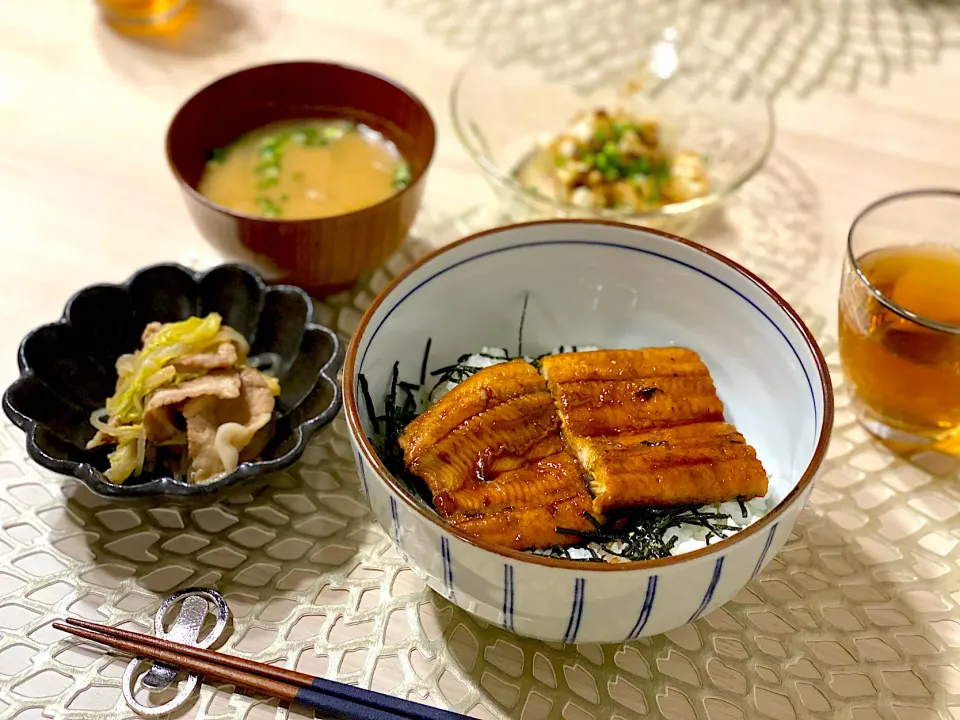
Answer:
x=640 y=166
x=654 y=194
x=331 y=133
x=268 y=207
x=401 y=175
x=217 y=154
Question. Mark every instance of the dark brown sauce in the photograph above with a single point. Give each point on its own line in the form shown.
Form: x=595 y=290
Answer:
x=445 y=504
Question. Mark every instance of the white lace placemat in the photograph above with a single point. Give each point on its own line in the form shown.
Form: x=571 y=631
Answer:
x=798 y=46
x=853 y=619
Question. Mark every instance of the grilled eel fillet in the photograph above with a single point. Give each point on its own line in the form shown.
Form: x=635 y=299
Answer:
x=505 y=452
x=648 y=427
x=493 y=457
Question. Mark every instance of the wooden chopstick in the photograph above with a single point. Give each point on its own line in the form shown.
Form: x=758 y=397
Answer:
x=232 y=661
x=327 y=697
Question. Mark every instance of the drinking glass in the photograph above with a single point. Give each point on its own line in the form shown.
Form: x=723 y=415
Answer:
x=145 y=16
x=900 y=318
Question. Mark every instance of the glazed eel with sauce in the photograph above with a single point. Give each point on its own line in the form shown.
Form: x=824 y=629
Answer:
x=527 y=457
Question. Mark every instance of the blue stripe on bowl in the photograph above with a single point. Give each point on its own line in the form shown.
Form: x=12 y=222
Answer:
x=646 y=609
x=576 y=611
x=598 y=243
x=708 y=595
x=766 y=549
x=363 y=475
x=396 y=520
x=447 y=566
x=508 y=598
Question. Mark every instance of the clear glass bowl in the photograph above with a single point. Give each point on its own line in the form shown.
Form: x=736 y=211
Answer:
x=704 y=101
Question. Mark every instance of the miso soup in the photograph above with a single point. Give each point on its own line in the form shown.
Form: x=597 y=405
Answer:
x=305 y=169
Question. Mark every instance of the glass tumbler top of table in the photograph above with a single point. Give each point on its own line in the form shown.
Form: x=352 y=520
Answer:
x=145 y=17
x=900 y=319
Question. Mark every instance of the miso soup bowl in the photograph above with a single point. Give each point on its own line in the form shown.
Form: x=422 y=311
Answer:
x=613 y=286
x=322 y=255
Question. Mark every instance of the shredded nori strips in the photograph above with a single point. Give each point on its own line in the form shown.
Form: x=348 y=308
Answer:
x=642 y=530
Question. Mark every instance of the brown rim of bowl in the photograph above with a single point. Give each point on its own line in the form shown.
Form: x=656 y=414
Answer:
x=234 y=213
x=854 y=261
x=353 y=415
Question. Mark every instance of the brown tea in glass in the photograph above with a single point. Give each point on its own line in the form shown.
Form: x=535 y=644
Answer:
x=138 y=17
x=900 y=318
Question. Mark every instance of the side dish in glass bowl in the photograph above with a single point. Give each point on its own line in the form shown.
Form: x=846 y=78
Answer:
x=655 y=139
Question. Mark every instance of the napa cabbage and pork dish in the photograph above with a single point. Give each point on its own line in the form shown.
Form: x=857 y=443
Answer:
x=188 y=401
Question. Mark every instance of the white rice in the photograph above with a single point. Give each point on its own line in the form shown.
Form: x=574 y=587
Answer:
x=487 y=357
x=694 y=537
x=689 y=537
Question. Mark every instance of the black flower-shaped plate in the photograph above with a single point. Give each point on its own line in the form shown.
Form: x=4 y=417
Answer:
x=67 y=368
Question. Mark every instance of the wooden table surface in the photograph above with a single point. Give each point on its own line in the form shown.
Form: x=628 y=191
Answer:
x=86 y=195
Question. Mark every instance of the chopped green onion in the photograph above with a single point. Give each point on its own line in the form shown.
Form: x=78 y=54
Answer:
x=313 y=138
x=559 y=160
x=331 y=133
x=401 y=176
x=600 y=135
x=654 y=194
x=217 y=154
x=640 y=166
x=271 y=148
x=268 y=207
x=267 y=183
x=602 y=162
x=612 y=174
x=610 y=148
x=268 y=170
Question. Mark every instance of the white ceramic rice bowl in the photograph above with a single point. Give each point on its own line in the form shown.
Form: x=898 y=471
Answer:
x=613 y=286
